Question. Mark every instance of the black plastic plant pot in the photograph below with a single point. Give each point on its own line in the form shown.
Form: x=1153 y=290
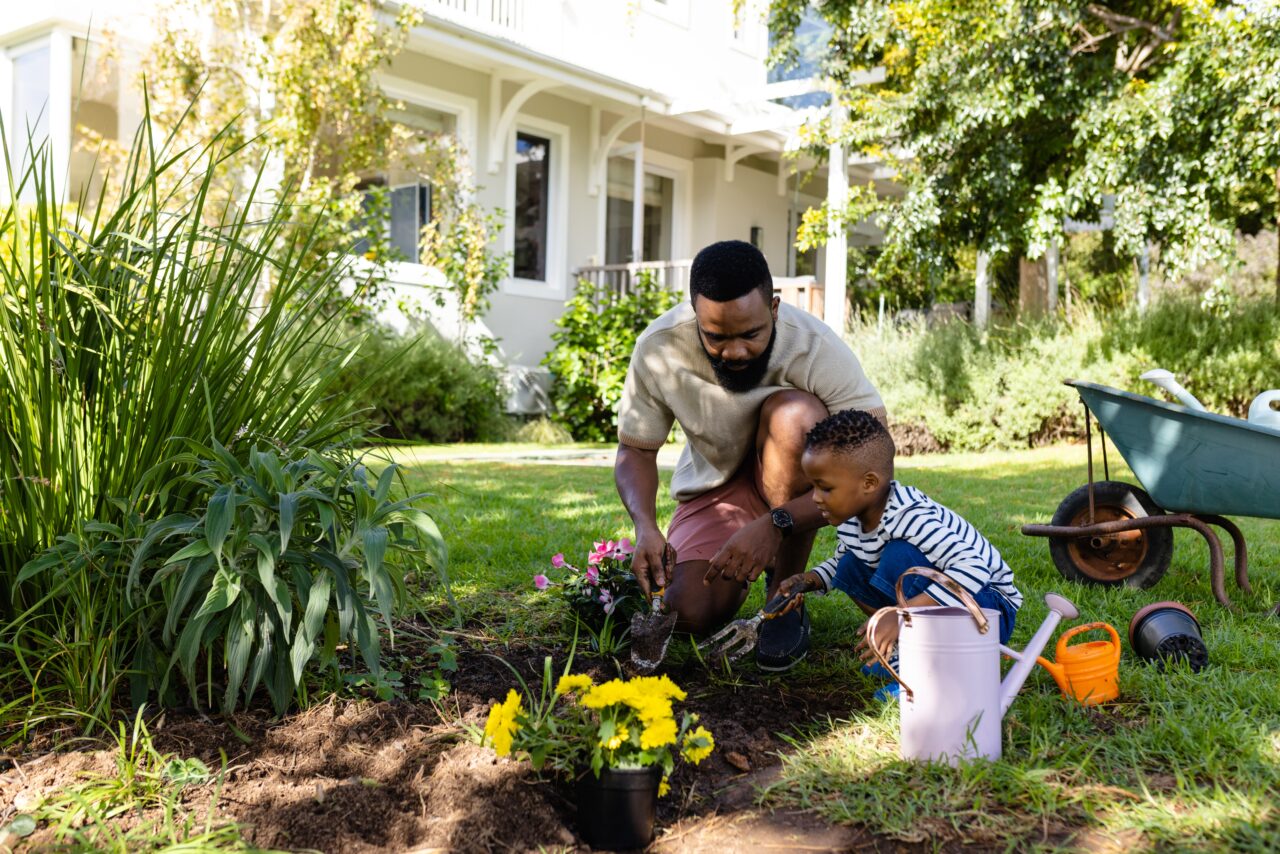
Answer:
x=616 y=810
x=1166 y=632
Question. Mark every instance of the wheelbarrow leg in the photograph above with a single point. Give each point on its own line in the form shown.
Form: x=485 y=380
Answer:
x=1216 y=574
x=1241 y=550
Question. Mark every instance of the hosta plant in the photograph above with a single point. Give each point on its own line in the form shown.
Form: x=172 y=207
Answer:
x=615 y=724
x=285 y=561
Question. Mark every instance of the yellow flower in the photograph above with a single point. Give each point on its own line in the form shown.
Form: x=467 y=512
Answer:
x=698 y=745
x=502 y=725
x=664 y=787
x=608 y=694
x=658 y=733
x=573 y=682
x=619 y=738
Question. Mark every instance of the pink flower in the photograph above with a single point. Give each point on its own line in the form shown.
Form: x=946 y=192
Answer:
x=625 y=547
x=606 y=599
x=593 y=575
x=594 y=559
x=540 y=582
x=557 y=560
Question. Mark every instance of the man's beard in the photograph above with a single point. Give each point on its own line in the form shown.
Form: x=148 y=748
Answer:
x=744 y=376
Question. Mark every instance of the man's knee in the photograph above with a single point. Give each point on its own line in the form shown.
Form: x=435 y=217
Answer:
x=791 y=411
x=702 y=608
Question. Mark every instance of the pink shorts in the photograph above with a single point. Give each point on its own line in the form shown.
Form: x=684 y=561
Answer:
x=702 y=524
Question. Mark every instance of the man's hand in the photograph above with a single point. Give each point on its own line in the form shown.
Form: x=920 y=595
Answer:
x=752 y=548
x=653 y=561
x=886 y=637
x=801 y=584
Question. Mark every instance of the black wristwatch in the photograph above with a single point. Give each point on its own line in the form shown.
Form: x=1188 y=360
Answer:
x=782 y=521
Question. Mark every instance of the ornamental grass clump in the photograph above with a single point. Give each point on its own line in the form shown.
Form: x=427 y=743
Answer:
x=617 y=724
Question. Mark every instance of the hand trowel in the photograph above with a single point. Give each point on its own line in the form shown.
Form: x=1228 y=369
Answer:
x=651 y=632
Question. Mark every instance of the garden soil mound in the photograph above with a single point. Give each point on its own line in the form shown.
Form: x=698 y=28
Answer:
x=362 y=776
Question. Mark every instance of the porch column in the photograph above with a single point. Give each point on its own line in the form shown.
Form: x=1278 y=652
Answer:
x=1051 y=275
x=1144 y=278
x=637 y=199
x=835 y=272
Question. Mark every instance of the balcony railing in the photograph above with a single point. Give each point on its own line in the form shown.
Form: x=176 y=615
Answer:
x=497 y=17
x=803 y=292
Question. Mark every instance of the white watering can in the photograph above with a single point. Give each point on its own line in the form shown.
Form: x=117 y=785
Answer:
x=951 y=696
x=1261 y=412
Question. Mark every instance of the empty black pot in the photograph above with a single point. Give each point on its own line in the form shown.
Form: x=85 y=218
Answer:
x=1167 y=631
x=616 y=811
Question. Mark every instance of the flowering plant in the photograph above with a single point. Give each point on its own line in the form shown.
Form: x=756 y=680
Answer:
x=616 y=724
x=605 y=588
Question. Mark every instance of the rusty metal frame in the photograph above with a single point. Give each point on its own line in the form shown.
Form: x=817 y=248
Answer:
x=1116 y=529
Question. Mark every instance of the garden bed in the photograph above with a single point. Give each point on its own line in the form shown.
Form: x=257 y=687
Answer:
x=364 y=775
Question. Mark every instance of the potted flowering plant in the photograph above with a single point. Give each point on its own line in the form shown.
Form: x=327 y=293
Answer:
x=606 y=590
x=620 y=739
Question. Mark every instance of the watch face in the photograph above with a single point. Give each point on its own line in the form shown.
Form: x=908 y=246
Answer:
x=782 y=519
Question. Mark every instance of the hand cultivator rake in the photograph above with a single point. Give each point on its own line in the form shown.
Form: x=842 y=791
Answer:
x=739 y=637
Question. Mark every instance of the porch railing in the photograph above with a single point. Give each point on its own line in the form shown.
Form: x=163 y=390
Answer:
x=620 y=278
x=803 y=292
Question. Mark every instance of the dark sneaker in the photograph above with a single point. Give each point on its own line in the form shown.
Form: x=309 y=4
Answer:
x=784 y=641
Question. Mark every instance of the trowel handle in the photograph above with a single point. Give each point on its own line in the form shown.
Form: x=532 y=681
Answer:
x=953 y=586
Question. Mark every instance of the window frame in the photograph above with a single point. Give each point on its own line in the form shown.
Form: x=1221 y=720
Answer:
x=58 y=42
x=556 y=285
x=664 y=165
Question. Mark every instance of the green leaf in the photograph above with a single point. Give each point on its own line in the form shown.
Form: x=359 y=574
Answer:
x=288 y=508
x=385 y=481
x=222 y=593
x=198 y=548
x=375 y=549
x=192 y=577
x=218 y=519
x=239 y=644
x=22 y=825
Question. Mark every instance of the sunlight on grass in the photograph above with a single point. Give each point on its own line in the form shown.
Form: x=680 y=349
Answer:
x=1183 y=759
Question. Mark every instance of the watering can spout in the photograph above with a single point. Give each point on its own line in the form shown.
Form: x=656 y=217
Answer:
x=1263 y=411
x=1165 y=380
x=1059 y=608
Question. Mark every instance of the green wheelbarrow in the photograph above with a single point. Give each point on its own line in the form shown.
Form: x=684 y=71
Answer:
x=1196 y=468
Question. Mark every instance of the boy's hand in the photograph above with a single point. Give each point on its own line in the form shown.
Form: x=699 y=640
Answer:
x=800 y=584
x=886 y=637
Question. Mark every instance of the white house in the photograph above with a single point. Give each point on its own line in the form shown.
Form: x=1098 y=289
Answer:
x=612 y=133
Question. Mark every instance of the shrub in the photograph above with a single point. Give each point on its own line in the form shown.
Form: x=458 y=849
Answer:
x=428 y=389
x=950 y=387
x=282 y=559
x=592 y=350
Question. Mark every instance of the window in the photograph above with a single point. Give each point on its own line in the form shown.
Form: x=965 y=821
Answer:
x=29 y=128
x=401 y=198
x=533 y=184
x=659 y=204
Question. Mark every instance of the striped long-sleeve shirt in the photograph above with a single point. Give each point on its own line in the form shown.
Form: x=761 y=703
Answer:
x=949 y=542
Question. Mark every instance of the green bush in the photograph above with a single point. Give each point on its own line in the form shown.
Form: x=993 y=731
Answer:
x=145 y=314
x=592 y=350
x=949 y=387
x=428 y=389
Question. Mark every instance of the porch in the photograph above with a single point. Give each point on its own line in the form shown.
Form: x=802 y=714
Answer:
x=802 y=292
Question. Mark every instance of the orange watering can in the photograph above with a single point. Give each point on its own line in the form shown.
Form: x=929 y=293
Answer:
x=1090 y=672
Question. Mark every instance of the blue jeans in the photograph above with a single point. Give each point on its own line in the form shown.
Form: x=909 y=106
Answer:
x=876 y=587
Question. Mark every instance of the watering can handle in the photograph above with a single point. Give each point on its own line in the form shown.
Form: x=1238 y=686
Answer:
x=875 y=650
x=956 y=590
x=1087 y=627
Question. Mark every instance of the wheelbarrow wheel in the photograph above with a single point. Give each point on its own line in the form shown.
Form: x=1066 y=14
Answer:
x=1134 y=558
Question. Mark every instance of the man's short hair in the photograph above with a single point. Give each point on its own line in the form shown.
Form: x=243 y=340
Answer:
x=728 y=270
x=852 y=432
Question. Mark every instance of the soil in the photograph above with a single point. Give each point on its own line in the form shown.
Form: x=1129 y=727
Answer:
x=356 y=775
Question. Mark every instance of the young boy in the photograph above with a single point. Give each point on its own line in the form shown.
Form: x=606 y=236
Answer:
x=885 y=528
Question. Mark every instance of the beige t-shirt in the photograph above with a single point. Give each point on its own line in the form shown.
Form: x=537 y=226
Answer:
x=670 y=379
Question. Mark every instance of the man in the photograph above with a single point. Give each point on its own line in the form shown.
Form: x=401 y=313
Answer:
x=746 y=378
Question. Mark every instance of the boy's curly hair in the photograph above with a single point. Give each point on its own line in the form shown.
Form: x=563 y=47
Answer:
x=849 y=431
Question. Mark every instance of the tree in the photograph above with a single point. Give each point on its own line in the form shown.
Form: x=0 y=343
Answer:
x=293 y=85
x=1016 y=113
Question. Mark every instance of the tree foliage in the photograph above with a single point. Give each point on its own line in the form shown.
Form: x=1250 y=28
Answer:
x=1003 y=117
x=294 y=86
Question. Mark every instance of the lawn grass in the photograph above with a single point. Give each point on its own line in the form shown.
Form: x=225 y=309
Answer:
x=1182 y=760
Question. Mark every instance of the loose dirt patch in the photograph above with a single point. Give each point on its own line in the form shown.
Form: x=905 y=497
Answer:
x=363 y=776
